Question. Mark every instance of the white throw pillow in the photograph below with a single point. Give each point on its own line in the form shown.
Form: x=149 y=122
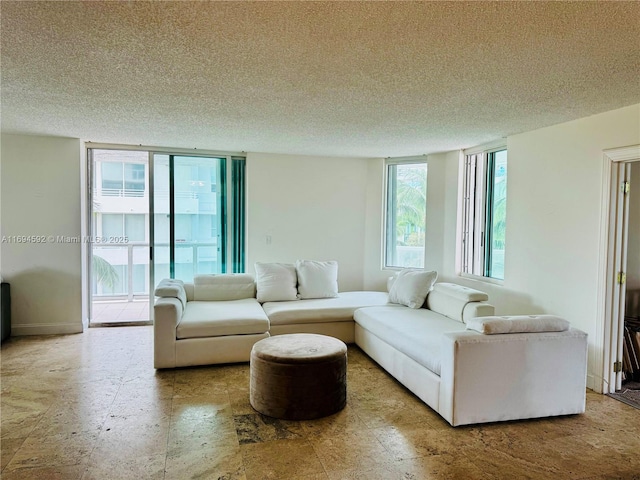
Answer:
x=411 y=287
x=317 y=279
x=276 y=282
x=518 y=324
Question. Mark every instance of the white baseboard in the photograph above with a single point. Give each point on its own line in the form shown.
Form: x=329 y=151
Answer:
x=594 y=383
x=46 y=329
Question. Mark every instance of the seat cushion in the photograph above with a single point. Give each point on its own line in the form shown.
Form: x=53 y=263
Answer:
x=415 y=332
x=321 y=310
x=223 y=287
x=231 y=317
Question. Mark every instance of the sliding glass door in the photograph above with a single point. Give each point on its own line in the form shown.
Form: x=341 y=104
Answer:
x=158 y=215
x=189 y=210
x=119 y=263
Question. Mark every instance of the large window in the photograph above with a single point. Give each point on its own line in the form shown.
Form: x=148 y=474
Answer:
x=406 y=195
x=122 y=178
x=132 y=226
x=484 y=213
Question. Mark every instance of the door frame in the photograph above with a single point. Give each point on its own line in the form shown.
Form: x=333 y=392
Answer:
x=609 y=321
x=86 y=211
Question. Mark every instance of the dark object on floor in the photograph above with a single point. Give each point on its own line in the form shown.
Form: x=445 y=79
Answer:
x=5 y=313
x=298 y=376
x=628 y=396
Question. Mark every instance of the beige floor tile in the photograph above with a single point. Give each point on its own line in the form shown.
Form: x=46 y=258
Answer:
x=258 y=428
x=445 y=466
x=413 y=441
x=125 y=434
x=280 y=459
x=148 y=467
x=57 y=472
x=202 y=382
x=8 y=448
x=345 y=421
x=239 y=398
x=209 y=462
x=93 y=405
x=18 y=424
x=346 y=451
x=395 y=406
x=198 y=433
x=71 y=418
x=381 y=471
x=65 y=449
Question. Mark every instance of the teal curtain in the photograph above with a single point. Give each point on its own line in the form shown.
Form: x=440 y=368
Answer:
x=238 y=181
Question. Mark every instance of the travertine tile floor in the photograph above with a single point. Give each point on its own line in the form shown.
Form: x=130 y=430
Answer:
x=91 y=406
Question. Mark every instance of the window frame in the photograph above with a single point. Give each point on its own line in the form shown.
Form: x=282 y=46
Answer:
x=386 y=207
x=477 y=181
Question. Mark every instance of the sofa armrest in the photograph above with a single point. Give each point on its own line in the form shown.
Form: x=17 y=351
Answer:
x=488 y=378
x=477 y=309
x=167 y=313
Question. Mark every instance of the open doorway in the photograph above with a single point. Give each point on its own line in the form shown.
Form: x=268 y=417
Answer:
x=631 y=332
x=159 y=214
x=618 y=266
x=119 y=247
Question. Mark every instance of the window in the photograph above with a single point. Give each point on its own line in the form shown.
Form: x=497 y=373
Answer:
x=131 y=225
x=122 y=179
x=406 y=204
x=484 y=213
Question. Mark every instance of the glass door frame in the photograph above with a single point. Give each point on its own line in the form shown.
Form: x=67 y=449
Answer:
x=227 y=210
x=88 y=146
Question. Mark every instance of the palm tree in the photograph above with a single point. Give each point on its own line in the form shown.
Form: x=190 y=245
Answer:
x=499 y=214
x=412 y=202
x=104 y=273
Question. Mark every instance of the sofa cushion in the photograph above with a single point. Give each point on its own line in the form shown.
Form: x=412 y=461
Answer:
x=410 y=287
x=228 y=286
x=276 y=282
x=450 y=299
x=231 y=317
x=518 y=324
x=171 y=288
x=415 y=332
x=317 y=279
x=338 y=309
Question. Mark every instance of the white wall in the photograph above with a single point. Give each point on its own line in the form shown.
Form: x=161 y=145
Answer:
x=311 y=208
x=554 y=197
x=41 y=196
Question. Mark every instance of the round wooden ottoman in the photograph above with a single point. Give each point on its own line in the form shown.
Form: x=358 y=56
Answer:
x=300 y=376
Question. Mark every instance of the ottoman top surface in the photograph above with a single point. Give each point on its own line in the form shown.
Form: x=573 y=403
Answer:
x=299 y=348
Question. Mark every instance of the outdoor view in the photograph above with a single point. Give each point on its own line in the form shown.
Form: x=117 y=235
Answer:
x=120 y=248
x=120 y=230
x=197 y=222
x=406 y=214
x=499 y=215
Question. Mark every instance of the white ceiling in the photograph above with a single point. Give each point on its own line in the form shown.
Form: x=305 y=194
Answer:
x=366 y=79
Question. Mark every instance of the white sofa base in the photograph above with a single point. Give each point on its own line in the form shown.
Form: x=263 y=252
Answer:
x=420 y=380
x=340 y=330
x=491 y=378
x=211 y=350
x=494 y=378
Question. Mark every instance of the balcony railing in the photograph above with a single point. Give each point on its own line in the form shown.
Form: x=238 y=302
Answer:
x=189 y=255
x=121 y=192
x=130 y=192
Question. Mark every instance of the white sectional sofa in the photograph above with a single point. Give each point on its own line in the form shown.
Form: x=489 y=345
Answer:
x=472 y=377
x=467 y=376
x=218 y=318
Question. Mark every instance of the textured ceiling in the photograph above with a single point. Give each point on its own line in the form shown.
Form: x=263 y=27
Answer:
x=322 y=78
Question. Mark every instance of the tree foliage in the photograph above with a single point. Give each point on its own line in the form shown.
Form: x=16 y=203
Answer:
x=411 y=205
